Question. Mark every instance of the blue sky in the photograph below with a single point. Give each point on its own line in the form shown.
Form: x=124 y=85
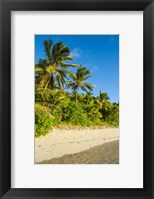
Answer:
x=99 y=53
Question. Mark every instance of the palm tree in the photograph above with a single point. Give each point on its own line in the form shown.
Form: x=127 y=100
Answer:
x=104 y=97
x=79 y=81
x=53 y=69
x=106 y=105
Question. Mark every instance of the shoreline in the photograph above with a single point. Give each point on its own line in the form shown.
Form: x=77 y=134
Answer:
x=107 y=153
x=60 y=142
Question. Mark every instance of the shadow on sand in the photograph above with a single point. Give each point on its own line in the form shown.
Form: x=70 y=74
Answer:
x=107 y=153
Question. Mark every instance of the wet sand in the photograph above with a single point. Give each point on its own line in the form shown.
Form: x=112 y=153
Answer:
x=61 y=142
x=104 y=154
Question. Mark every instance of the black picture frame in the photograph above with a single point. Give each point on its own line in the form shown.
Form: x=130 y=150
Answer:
x=6 y=6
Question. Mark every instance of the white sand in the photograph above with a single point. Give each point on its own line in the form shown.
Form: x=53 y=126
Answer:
x=61 y=141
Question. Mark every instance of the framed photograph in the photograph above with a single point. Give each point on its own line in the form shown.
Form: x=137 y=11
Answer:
x=76 y=99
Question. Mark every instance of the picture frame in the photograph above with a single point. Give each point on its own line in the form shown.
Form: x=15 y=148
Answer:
x=147 y=6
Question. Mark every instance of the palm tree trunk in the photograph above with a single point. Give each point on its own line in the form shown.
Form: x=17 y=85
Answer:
x=76 y=100
x=75 y=94
x=48 y=82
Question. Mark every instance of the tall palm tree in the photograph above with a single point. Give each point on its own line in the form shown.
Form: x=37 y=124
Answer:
x=79 y=81
x=53 y=69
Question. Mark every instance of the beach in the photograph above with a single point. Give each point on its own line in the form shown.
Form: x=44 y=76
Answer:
x=107 y=153
x=78 y=146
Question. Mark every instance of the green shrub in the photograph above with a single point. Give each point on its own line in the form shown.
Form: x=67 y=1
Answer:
x=43 y=120
x=76 y=115
x=112 y=115
x=56 y=107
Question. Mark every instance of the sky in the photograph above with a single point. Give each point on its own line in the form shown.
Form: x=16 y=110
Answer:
x=99 y=53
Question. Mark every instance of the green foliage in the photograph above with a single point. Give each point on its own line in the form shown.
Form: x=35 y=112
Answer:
x=75 y=115
x=112 y=116
x=43 y=120
x=56 y=105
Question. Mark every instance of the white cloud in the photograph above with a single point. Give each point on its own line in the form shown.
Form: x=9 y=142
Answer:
x=76 y=53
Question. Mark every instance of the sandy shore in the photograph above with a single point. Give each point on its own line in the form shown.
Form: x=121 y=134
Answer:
x=107 y=153
x=61 y=142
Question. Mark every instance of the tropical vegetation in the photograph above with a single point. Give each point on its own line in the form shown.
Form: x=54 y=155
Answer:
x=65 y=98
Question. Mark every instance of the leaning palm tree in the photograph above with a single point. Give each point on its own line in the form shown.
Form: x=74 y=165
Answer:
x=52 y=71
x=79 y=81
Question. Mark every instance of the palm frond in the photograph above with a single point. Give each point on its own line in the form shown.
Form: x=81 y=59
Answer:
x=89 y=86
x=71 y=74
x=64 y=49
x=38 y=69
x=68 y=65
x=47 y=46
x=84 y=89
x=44 y=110
x=68 y=58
